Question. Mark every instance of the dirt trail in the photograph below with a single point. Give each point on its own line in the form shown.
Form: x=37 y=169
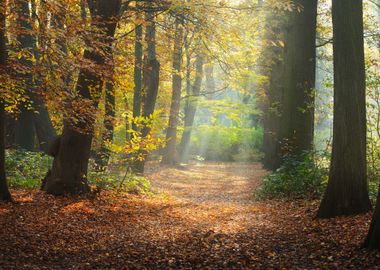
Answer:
x=209 y=182
x=203 y=218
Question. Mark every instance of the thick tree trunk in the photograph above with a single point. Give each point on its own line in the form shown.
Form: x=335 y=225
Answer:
x=347 y=190
x=5 y=195
x=170 y=156
x=191 y=109
x=69 y=172
x=297 y=116
x=272 y=67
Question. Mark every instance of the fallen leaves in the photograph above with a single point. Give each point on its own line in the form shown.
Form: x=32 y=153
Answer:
x=189 y=229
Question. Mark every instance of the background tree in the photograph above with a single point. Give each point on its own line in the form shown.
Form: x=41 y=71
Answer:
x=151 y=79
x=191 y=108
x=170 y=156
x=25 y=131
x=297 y=111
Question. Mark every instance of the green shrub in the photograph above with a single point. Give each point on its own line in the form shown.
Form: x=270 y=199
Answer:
x=26 y=169
x=220 y=143
x=299 y=177
x=115 y=178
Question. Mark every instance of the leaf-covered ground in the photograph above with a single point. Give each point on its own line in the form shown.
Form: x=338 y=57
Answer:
x=203 y=219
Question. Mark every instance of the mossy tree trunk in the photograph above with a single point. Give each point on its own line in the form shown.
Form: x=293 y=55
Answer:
x=347 y=190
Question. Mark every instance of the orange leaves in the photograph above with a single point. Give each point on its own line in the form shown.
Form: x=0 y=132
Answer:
x=209 y=222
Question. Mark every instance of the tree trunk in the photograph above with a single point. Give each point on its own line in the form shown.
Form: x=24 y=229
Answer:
x=5 y=195
x=103 y=156
x=191 y=109
x=170 y=155
x=137 y=99
x=151 y=79
x=272 y=67
x=43 y=125
x=347 y=190
x=69 y=172
x=372 y=240
x=210 y=81
x=25 y=132
x=297 y=116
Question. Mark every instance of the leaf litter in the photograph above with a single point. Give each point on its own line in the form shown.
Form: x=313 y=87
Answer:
x=202 y=217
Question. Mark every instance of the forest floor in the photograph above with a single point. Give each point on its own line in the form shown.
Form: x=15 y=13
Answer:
x=202 y=218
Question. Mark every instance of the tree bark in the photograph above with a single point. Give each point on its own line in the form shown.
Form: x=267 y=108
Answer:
x=151 y=79
x=5 y=195
x=210 y=81
x=103 y=156
x=372 y=240
x=272 y=67
x=42 y=123
x=347 y=190
x=25 y=131
x=297 y=115
x=170 y=156
x=191 y=109
x=137 y=94
x=69 y=172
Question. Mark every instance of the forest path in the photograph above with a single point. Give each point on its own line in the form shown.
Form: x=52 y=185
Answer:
x=202 y=218
x=209 y=182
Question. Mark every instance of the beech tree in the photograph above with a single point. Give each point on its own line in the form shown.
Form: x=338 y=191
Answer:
x=69 y=171
x=137 y=78
x=25 y=131
x=151 y=78
x=4 y=192
x=170 y=156
x=191 y=108
x=347 y=189
x=297 y=114
x=272 y=67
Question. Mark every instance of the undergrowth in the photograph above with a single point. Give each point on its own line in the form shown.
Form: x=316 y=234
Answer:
x=303 y=176
x=27 y=169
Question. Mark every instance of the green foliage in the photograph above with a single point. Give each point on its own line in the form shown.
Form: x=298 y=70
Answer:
x=115 y=178
x=221 y=143
x=26 y=169
x=303 y=176
x=112 y=181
